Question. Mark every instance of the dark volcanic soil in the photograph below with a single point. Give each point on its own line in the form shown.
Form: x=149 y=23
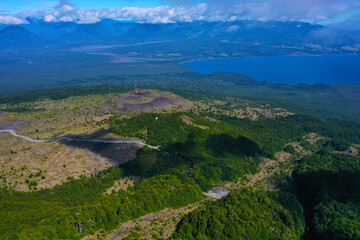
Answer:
x=145 y=101
x=13 y=126
x=158 y=102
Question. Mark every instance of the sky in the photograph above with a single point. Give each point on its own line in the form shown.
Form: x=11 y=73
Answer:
x=23 y=5
x=342 y=13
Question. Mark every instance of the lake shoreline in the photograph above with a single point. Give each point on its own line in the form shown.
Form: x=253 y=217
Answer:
x=304 y=55
x=325 y=69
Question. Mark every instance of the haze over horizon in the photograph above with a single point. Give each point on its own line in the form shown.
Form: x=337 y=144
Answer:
x=339 y=13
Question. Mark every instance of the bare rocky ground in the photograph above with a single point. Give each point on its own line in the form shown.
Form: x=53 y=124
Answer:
x=160 y=225
x=243 y=109
x=270 y=168
x=188 y=120
x=147 y=101
x=352 y=151
x=313 y=138
x=50 y=164
x=45 y=165
x=122 y=184
x=13 y=126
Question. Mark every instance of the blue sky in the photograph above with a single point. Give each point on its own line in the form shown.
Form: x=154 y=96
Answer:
x=23 y=5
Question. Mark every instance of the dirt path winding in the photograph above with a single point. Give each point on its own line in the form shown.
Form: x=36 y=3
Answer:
x=12 y=132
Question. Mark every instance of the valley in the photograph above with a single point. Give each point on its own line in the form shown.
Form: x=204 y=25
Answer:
x=83 y=54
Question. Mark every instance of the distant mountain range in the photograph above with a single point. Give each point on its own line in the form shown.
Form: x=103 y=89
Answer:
x=110 y=31
x=14 y=36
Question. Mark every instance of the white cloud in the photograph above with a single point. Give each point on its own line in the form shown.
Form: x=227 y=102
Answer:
x=66 y=19
x=213 y=10
x=49 y=18
x=9 y=19
x=232 y=28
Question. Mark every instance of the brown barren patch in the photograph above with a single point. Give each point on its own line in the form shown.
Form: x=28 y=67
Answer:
x=147 y=101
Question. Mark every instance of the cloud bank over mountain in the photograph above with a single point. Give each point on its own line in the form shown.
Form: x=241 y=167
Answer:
x=212 y=10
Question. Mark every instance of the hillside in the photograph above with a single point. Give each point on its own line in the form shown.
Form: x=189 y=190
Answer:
x=85 y=117
x=17 y=36
x=262 y=154
x=147 y=101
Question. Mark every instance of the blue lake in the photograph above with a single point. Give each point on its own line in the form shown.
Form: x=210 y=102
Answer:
x=324 y=69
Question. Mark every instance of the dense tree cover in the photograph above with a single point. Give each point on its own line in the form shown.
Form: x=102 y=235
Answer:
x=326 y=182
x=169 y=131
x=289 y=149
x=172 y=177
x=191 y=160
x=206 y=170
x=273 y=134
x=328 y=186
x=61 y=93
x=79 y=207
x=208 y=155
x=245 y=214
x=56 y=93
x=155 y=129
x=270 y=134
x=336 y=220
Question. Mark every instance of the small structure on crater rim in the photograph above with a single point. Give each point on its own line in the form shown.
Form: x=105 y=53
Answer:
x=138 y=91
